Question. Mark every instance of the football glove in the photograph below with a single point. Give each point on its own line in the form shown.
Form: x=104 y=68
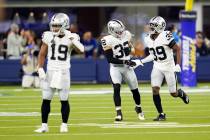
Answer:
x=127 y=51
x=138 y=63
x=41 y=73
x=130 y=63
x=177 y=68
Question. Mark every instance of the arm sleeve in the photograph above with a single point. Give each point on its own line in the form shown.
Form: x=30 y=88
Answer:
x=111 y=59
x=172 y=43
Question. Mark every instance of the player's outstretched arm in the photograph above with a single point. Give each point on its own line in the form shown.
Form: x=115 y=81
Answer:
x=147 y=59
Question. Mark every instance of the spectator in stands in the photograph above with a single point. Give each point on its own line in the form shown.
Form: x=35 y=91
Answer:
x=140 y=44
x=201 y=47
x=29 y=63
x=90 y=45
x=14 y=43
x=175 y=34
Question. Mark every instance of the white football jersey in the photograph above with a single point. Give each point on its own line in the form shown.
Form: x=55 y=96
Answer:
x=162 y=50
x=117 y=45
x=59 y=50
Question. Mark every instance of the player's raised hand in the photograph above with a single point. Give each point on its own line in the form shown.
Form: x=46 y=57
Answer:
x=130 y=63
x=177 y=68
x=41 y=73
x=138 y=63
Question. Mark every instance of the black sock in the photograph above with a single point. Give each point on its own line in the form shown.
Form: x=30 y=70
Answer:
x=65 y=110
x=136 y=96
x=45 y=109
x=157 y=102
x=116 y=96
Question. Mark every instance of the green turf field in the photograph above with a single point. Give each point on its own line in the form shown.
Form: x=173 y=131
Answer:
x=92 y=115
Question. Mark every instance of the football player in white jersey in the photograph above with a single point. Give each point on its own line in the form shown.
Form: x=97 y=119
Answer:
x=117 y=47
x=57 y=45
x=161 y=46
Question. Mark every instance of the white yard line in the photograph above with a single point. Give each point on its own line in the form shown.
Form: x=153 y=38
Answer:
x=108 y=91
x=108 y=133
x=93 y=119
x=124 y=125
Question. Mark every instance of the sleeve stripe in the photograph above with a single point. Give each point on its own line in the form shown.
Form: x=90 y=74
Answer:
x=172 y=43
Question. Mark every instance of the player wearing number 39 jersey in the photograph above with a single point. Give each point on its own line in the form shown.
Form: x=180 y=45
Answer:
x=161 y=45
x=117 y=47
x=57 y=45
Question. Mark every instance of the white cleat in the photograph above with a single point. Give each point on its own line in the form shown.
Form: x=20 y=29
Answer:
x=141 y=116
x=44 y=128
x=118 y=118
x=64 y=128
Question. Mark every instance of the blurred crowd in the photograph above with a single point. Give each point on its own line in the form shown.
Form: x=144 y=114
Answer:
x=17 y=42
x=202 y=43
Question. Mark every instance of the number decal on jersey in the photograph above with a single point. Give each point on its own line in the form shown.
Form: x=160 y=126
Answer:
x=53 y=52
x=159 y=53
x=120 y=52
x=62 y=49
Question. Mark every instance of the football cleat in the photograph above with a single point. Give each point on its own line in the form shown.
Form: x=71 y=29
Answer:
x=63 y=128
x=184 y=96
x=141 y=116
x=160 y=117
x=139 y=113
x=44 y=128
x=119 y=116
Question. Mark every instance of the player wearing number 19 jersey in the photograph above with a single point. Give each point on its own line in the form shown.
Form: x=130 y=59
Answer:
x=161 y=45
x=57 y=45
x=117 y=47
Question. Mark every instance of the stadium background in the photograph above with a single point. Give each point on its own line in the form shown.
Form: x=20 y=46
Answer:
x=93 y=16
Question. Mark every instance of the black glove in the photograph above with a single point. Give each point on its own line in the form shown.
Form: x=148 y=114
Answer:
x=130 y=63
x=127 y=51
x=35 y=74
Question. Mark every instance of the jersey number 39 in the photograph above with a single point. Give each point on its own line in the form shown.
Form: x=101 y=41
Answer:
x=159 y=53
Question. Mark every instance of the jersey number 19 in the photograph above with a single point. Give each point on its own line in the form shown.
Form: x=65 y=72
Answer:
x=62 y=49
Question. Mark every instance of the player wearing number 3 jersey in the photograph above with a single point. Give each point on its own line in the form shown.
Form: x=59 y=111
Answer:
x=161 y=45
x=57 y=45
x=117 y=47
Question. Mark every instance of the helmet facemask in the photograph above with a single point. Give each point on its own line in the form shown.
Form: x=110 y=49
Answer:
x=57 y=29
x=116 y=28
x=157 y=25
